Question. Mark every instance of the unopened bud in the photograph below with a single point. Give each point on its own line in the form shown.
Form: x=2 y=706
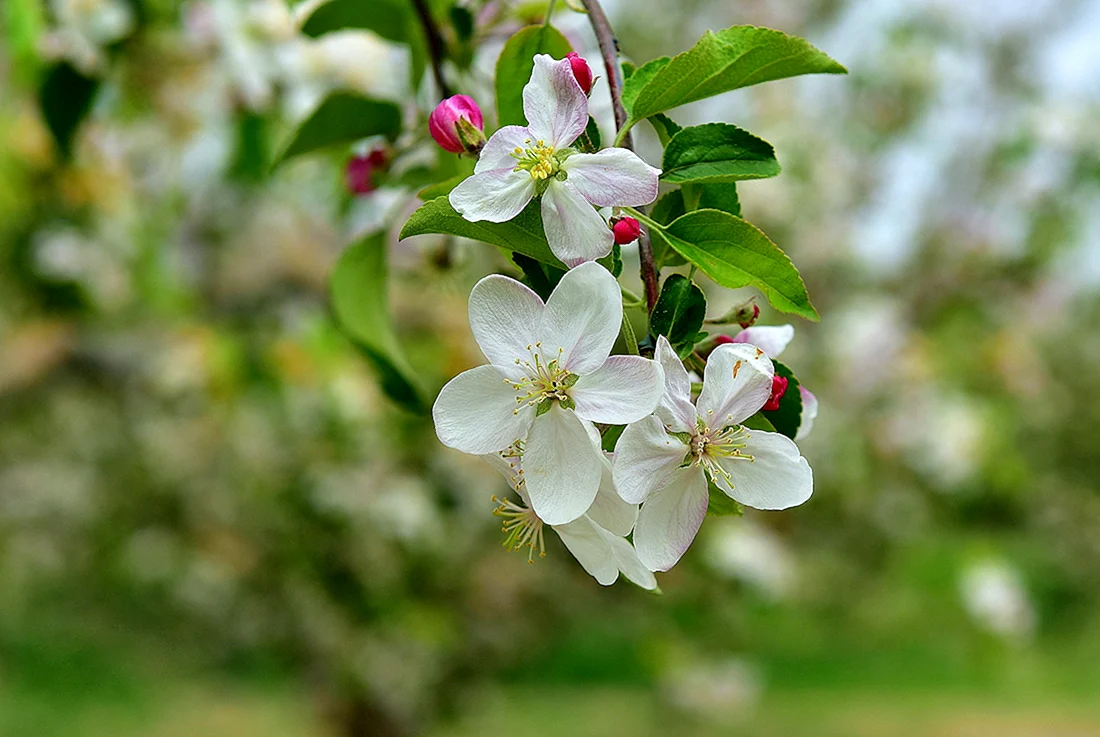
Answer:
x=457 y=126
x=626 y=230
x=359 y=174
x=744 y=314
x=581 y=71
x=779 y=388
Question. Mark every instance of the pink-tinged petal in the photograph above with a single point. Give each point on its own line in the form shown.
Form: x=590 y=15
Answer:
x=497 y=195
x=554 y=103
x=772 y=339
x=476 y=412
x=498 y=150
x=778 y=477
x=646 y=457
x=582 y=319
x=670 y=519
x=612 y=177
x=575 y=232
x=624 y=390
x=809 y=413
x=504 y=317
x=561 y=467
x=736 y=384
x=609 y=510
x=590 y=545
x=675 y=408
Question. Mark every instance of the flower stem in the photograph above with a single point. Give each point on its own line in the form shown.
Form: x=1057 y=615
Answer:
x=609 y=49
x=436 y=48
x=549 y=12
x=627 y=332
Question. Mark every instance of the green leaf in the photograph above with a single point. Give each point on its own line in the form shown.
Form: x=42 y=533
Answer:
x=359 y=301
x=589 y=142
x=720 y=196
x=388 y=18
x=441 y=189
x=736 y=254
x=788 y=417
x=665 y=126
x=639 y=78
x=66 y=98
x=679 y=312
x=721 y=505
x=514 y=66
x=343 y=118
x=522 y=233
x=728 y=60
x=611 y=437
x=717 y=152
x=613 y=261
x=759 y=422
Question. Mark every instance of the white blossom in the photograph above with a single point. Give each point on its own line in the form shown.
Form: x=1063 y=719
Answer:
x=549 y=369
x=665 y=460
x=519 y=163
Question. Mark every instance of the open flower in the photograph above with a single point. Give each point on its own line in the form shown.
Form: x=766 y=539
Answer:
x=519 y=163
x=666 y=459
x=550 y=368
x=773 y=340
x=597 y=539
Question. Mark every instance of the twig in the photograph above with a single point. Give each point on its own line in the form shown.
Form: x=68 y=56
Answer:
x=609 y=49
x=436 y=47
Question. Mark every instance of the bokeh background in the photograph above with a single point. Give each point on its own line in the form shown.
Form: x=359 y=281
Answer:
x=212 y=521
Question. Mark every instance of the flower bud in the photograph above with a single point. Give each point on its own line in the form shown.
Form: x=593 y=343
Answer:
x=744 y=314
x=626 y=230
x=457 y=126
x=748 y=321
x=582 y=72
x=779 y=388
x=358 y=175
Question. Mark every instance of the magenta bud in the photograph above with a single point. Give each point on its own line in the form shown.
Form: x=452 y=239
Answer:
x=723 y=339
x=779 y=388
x=748 y=321
x=581 y=71
x=359 y=175
x=457 y=126
x=626 y=230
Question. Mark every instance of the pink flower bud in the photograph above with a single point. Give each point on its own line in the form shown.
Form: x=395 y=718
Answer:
x=747 y=323
x=448 y=130
x=779 y=388
x=722 y=339
x=358 y=175
x=626 y=230
x=582 y=72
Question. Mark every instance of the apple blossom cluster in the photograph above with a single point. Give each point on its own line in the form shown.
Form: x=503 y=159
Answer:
x=622 y=444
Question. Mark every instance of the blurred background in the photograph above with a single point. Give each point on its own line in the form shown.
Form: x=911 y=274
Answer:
x=212 y=521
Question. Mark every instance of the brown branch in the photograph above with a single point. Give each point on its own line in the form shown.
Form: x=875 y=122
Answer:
x=436 y=47
x=609 y=49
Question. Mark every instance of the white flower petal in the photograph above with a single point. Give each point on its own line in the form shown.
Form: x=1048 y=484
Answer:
x=554 y=103
x=772 y=339
x=475 y=412
x=778 y=477
x=504 y=317
x=575 y=232
x=561 y=468
x=497 y=195
x=609 y=510
x=612 y=177
x=670 y=519
x=582 y=318
x=809 y=413
x=624 y=390
x=736 y=384
x=645 y=458
x=675 y=408
x=626 y=558
x=498 y=150
x=590 y=545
